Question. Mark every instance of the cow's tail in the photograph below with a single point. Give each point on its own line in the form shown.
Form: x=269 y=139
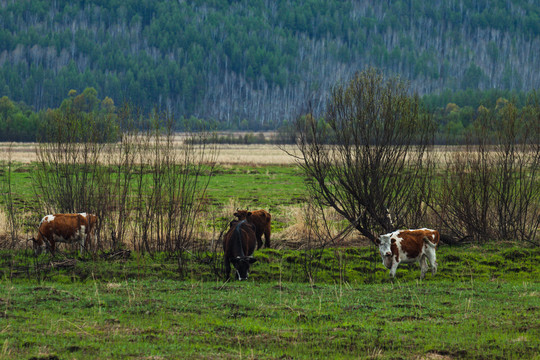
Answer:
x=432 y=244
x=268 y=217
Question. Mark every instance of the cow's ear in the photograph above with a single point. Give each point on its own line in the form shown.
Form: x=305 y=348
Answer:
x=235 y=214
x=249 y=213
x=251 y=259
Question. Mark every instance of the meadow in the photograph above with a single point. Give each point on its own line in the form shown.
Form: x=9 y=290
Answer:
x=300 y=302
x=483 y=304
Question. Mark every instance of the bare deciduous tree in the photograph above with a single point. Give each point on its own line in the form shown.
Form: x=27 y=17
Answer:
x=369 y=154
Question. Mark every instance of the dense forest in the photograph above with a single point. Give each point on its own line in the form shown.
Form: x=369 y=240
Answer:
x=253 y=64
x=454 y=114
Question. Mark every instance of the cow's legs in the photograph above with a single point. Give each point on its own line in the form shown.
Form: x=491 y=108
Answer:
x=50 y=246
x=423 y=266
x=267 y=238
x=393 y=269
x=430 y=253
x=227 y=268
x=81 y=243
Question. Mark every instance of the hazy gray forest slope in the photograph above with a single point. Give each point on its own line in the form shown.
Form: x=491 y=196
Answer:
x=259 y=60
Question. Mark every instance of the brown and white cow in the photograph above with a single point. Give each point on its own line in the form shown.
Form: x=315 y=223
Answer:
x=63 y=228
x=262 y=221
x=409 y=246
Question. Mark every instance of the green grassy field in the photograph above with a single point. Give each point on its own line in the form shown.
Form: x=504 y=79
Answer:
x=267 y=186
x=483 y=304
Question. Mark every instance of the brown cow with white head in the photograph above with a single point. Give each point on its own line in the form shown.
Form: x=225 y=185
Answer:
x=409 y=246
x=262 y=221
x=64 y=228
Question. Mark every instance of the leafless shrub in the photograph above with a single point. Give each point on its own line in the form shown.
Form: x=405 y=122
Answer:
x=12 y=217
x=146 y=188
x=68 y=175
x=171 y=185
x=491 y=189
x=121 y=161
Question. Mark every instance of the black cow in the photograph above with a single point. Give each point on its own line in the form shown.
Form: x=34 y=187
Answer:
x=238 y=246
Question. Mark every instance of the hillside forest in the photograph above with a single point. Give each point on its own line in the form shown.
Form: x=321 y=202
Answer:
x=252 y=64
x=454 y=123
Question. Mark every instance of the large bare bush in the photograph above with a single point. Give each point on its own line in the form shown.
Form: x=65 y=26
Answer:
x=11 y=216
x=146 y=187
x=491 y=189
x=369 y=155
x=68 y=173
x=171 y=183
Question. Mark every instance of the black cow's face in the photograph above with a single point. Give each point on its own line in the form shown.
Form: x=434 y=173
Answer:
x=241 y=264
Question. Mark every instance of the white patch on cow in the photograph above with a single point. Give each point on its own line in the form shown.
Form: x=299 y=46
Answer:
x=47 y=218
x=83 y=214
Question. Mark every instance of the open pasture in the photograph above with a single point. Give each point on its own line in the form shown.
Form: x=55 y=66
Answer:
x=483 y=304
x=300 y=302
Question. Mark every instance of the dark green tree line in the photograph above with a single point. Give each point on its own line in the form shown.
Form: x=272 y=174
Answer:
x=235 y=60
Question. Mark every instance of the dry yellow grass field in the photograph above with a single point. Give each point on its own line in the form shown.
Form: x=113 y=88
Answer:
x=257 y=154
x=227 y=154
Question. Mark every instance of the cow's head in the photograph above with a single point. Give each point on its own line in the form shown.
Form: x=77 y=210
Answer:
x=241 y=264
x=92 y=220
x=39 y=246
x=242 y=214
x=385 y=243
x=385 y=248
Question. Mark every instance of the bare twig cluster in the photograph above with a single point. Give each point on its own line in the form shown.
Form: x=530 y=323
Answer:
x=146 y=188
x=491 y=189
x=369 y=158
x=374 y=141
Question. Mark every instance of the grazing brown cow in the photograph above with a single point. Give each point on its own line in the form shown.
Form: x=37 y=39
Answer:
x=63 y=228
x=238 y=248
x=262 y=221
x=408 y=246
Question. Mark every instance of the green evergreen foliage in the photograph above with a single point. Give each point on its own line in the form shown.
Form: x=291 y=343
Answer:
x=235 y=60
x=454 y=114
x=17 y=122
